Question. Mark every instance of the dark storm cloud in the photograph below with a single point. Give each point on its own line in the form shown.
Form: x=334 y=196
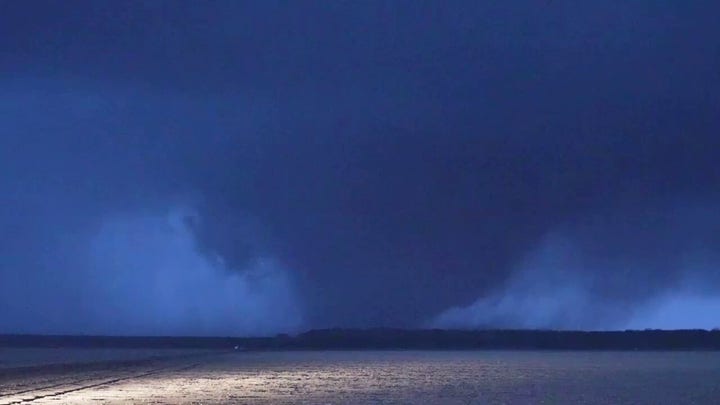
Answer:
x=98 y=221
x=397 y=159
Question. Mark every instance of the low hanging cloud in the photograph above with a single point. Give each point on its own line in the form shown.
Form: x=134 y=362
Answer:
x=684 y=310
x=154 y=262
x=142 y=274
x=694 y=303
x=650 y=270
x=547 y=291
x=95 y=238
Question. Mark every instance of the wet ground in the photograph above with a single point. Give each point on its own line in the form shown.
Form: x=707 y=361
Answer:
x=401 y=377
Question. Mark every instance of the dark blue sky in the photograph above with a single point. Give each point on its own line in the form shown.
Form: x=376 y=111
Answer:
x=251 y=167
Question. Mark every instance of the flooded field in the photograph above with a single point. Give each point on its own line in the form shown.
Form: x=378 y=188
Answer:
x=376 y=377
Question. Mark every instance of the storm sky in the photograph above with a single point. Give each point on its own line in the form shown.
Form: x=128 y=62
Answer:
x=248 y=168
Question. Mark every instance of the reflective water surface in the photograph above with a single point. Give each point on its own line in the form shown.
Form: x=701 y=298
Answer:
x=394 y=377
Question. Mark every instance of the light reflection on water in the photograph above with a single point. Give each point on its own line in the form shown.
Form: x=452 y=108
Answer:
x=429 y=378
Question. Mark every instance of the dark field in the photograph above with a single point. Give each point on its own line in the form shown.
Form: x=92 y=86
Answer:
x=378 y=377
